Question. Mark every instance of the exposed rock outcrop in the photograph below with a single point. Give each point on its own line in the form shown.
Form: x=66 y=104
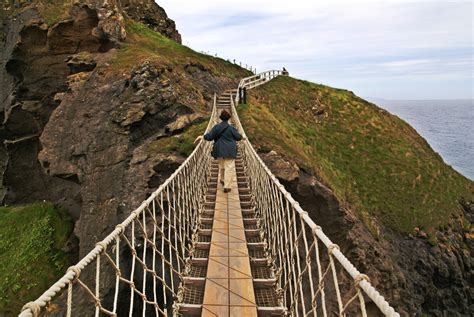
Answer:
x=283 y=169
x=35 y=76
x=150 y=13
x=112 y=15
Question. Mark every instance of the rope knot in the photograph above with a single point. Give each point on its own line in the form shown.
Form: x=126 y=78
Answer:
x=138 y=211
x=361 y=277
x=308 y=259
x=120 y=227
x=332 y=247
x=103 y=245
x=35 y=308
x=316 y=228
x=280 y=293
x=75 y=270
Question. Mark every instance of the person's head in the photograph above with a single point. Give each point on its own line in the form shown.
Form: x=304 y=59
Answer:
x=225 y=116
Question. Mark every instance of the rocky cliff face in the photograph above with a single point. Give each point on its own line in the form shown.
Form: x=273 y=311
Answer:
x=78 y=127
x=149 y=13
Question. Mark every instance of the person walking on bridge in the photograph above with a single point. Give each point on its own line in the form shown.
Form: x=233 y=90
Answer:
x=225 y=147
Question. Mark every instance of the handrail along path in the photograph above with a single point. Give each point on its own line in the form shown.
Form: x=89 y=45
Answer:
x=310 y=282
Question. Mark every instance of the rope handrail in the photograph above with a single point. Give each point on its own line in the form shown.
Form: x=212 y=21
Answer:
x=259 y=171
x=165 y=194
x=156 y=240
x=256 y=80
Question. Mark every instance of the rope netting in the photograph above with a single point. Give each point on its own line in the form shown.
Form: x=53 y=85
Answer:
x=314 y=277
x=137 y=269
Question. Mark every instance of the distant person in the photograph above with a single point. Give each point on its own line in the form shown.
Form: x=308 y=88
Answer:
x=284 y=72
x=225 y=147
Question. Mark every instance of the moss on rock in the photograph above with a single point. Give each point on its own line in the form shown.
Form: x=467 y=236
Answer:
x=181 y=143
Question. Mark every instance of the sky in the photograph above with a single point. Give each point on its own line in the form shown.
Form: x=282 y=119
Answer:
x=386 y=49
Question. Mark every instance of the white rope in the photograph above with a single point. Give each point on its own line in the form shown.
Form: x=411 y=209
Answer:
x=288 y=236
x=185 y=190
x=255 y=81
x=291 y=237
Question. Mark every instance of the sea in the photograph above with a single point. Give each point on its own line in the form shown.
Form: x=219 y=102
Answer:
x=447 y=125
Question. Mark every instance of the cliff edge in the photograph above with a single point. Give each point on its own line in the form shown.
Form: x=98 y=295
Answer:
x=99 y=104
x=377 y=189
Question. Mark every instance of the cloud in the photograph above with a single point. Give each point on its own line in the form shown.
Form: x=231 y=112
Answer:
x=339 y=42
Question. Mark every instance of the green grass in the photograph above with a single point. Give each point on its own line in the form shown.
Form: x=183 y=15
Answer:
x=31 y=237
x=53 y=11
x=181 y=143
x=144 y=43
x=375 y=163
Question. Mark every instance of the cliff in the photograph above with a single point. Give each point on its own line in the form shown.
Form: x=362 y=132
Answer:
x=99 y=104
x=375 y=186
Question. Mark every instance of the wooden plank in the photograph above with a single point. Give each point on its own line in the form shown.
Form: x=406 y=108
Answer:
x=229 y=285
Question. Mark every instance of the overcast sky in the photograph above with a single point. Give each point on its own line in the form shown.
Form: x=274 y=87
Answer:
x=385 y=49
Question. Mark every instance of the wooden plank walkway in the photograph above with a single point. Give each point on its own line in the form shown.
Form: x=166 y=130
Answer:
x=229 y=285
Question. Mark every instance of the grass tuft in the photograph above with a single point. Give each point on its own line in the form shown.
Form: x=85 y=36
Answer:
x=31 y=238
x=181 y=143
x=53 y=11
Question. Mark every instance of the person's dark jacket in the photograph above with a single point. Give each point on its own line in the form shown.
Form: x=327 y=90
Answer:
x=224 y=136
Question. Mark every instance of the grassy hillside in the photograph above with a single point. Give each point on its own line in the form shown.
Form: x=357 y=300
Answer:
x=31 y=238
x=375 y=163
x=145 y=44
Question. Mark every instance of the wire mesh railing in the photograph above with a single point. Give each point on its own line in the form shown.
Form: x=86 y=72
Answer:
x=137 y=269
x=314 y=277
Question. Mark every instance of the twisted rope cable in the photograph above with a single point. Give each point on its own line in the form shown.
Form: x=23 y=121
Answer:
x=255 y=166
x=283 y=221
x=188 y=179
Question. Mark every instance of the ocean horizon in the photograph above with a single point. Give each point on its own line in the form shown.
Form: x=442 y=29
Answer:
x=446 y=124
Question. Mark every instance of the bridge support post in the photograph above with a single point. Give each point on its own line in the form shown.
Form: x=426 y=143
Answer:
x=242 y=95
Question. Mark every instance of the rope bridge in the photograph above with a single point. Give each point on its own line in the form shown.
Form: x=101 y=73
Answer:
x=144 y=266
